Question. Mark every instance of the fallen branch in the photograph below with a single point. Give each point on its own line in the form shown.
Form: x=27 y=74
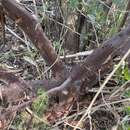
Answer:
x=100 y=63
x=30 y=25
x=86 y=75
x=89 y=72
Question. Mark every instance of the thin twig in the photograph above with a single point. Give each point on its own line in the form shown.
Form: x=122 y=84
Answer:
x=84 y=53
x=14 y=34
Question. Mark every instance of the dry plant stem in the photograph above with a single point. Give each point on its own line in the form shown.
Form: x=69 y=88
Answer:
x=14 y=34
x=79 y=54
x=101 y=88
x=84 y=53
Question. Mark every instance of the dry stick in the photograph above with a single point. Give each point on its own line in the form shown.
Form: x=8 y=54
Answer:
x=100 y=89
x=79 y=54
x=83 y=53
